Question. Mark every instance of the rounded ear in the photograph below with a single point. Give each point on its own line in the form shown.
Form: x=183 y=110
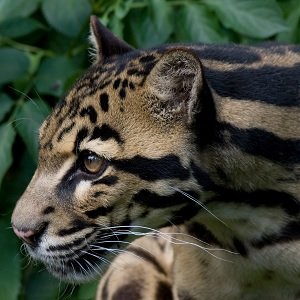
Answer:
x=176 y=81
x=105 y=43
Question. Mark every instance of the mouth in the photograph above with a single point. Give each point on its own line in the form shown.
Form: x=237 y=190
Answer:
x=79 y=262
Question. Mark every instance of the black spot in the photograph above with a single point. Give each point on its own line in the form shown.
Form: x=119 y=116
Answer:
x=65 y=131
x=153 y=169
x=104 y=102
x=116 y=83
x=48 y=210
x=81 y=135
x=125 y=84
x=107 y=180
x=131 y=86
x=105 y=132
x=122 y=93
x=99 y=211
x=90 y=112
x=97 y=194
x=129 y=291
x=147 y=58
x=163 y=291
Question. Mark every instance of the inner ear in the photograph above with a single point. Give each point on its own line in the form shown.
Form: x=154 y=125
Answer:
x=105 y=43
x=176 y=81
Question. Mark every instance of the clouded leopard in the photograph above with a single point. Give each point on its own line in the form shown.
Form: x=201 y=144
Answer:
x=193 y=151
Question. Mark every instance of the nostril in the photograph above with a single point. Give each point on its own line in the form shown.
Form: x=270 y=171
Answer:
x=29 y=236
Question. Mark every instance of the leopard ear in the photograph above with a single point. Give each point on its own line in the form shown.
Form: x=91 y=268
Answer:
x=176 y=82
x=105 y=43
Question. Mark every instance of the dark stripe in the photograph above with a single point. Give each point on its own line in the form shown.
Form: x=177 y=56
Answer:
x=74 y=243
x=99 y=211
x=77 y=225
x=105 y=288
x=200 y=232
x=105 y=132
x=65 y=131
x=259 y=198
x=163 y=291
x=289 y=233
x=166 y=167
x=107 y=180
x=151 y=199
x=81 y=135
x=184 y=214
x=240 y=247
x=148 y=257
x=132 y=290
x=90 y=112
x=232 y=54
x=104 y=102
x=274 y=85
x=265 y=144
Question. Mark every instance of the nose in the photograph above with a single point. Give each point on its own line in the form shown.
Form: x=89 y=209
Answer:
x=29 y=236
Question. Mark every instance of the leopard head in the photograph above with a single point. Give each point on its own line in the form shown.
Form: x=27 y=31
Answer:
x=117 y=157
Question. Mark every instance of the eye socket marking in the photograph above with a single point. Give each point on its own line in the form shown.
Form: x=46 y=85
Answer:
x=91 y=163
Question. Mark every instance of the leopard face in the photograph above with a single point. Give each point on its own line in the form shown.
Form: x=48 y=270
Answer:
x=116 y=159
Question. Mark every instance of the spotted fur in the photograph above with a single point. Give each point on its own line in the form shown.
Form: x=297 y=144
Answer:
x=205 y=138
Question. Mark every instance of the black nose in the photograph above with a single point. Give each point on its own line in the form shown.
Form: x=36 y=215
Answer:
x=30 y=236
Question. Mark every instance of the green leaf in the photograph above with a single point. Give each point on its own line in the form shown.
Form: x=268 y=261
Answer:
x=53 y=74
x=18 y=27
x=254 y=18
x=88 y=291
x=292 y=9
x=143 y=31
x=13 y=64
x=43 y=286
x=10 y=275
x=15 y=183
x=161 y=15
x=6 y=104
x=122 y=8
x=69 y=17
x=17 y=8
x=195 y=23
x=28 y=121
x=7 y=137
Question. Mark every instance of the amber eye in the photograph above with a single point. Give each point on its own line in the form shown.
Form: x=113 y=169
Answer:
x=93 y=163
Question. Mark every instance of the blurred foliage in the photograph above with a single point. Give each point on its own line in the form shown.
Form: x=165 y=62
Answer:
x=43 y=48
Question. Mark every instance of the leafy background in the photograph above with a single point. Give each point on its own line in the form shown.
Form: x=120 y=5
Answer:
x=43 y=48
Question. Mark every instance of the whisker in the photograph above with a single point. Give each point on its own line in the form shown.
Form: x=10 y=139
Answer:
x=198 y=202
